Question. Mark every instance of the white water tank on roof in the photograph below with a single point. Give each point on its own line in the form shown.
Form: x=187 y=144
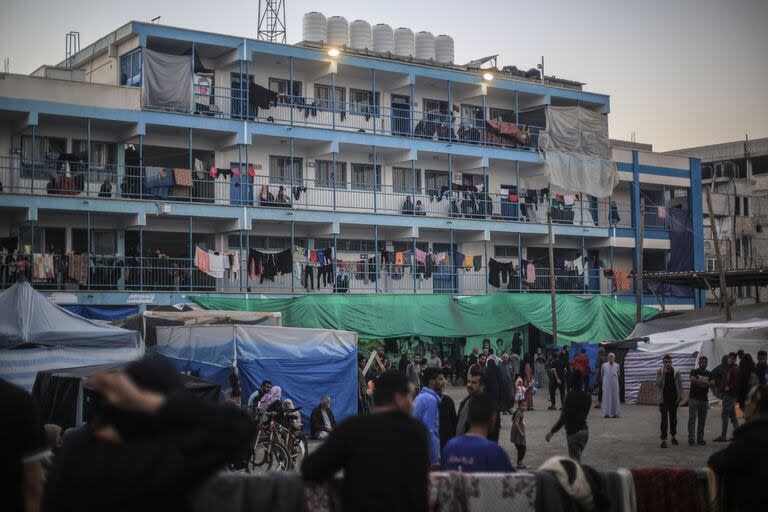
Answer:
x=383 y=38
x=338 y=31
x=314 y=27
x=404 y=42
x=360 y=35
x=444 y=49
x=425 y=46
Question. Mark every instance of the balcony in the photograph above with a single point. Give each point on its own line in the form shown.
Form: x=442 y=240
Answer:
x=66 y=179
x=34 y=88
x=224 y=102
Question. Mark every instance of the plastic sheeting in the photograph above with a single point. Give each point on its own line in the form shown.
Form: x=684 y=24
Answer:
x=27 y=317
x=579 y=319
x=305 y=363
x=577 y=153
x=110 y=314
x=167 y=82
x=21 y=365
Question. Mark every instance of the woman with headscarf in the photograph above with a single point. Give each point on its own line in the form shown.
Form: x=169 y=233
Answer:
x=539 y=367
x=493 y=383
x=527 y=374
x=270 y=402
x=265 y=197
x=746 y=380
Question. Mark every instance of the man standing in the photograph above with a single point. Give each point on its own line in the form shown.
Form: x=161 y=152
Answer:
x=434 y=361
x=475 y=387
x=257 y=395
x=729 y=393
x=581 y=364
x=761 y=368
x=671 y=387
x=426 y=408
x=507 y=384
x=480 y=364
x=398 y=456
x=493 y=356
x=601 y=359
x=448 y=420
x=574 y=418
x=473 y=357
x=473 y=452
x=698 y=401
x=514 y=360
x=556 y=380
x=413 y=372
x=322 y=422
x=610 y=372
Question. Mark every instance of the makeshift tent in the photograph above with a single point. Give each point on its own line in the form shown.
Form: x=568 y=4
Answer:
x=59 y=393
x=713 y=340
x=577 y=153
x=108 y=313
x=673 y=321
x=36 y=334
x=305 y=363
x=579 y=319
x=147 y=322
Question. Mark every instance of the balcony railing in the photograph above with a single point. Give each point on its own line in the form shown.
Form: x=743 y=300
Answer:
x=365 y=117
x=361 y=192
x=114 y=273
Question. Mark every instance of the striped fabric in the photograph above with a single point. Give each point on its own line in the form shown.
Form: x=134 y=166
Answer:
x=642 y=366
x=20 y=366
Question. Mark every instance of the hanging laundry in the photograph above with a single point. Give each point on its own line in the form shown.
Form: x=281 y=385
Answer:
x=216 y=262
x=530 y=273
x=458 y=259
x=313 y=256
x=662 y=212
x=214 y=171
x=440 y=258
x=182 y=177
x=321 y=257
x=202 y=261
x=478 y=263
x=235 y=264
x=399 y=258
x=622 y=280
x=579 y=264
x=251 y=171
x=569 y=200
x=421 y=256
x=469 y=262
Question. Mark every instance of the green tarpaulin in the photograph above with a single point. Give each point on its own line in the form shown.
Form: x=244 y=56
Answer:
x=579 y=319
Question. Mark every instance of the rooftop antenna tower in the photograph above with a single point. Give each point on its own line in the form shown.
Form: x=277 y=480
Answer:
x=272 y=21
x=72 y=47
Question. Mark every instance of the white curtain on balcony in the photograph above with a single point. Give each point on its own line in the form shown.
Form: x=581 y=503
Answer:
x=577 y=152
x=167 y=83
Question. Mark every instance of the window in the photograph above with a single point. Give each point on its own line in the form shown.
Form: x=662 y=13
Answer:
x=502 y=114
x=435 y=106
x=435 y=180
x=402 y=246
x=325 y=177
x=363 y=177
x=745 y=206
x=472 y=115
x=103 y=243
x=737 y=205
x=348 y=245
x=280 y=170
x=103 y=157
x=504 y=251
x=270 y=243
x=403 y=180
x=326 y=99
x=360 y=102
x=130 y=68
x=738 y=249
x=283 y=86
x=46 y=151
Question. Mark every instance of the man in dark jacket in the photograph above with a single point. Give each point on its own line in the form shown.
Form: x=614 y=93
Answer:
x=448 y=417
x=742 y=464
x=574 y=418
x=475 y=386
x=322 y=421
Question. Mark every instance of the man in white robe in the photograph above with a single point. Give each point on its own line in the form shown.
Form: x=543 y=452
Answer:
x=610 y=374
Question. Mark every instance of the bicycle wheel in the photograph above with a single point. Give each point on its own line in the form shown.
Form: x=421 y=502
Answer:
x=278 y=459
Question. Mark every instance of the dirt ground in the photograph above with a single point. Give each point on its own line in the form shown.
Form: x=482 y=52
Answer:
x=631 y=441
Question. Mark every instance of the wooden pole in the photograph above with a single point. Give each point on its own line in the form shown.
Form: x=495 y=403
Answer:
x=552 y=275
x=719 y=260
x=639 y=290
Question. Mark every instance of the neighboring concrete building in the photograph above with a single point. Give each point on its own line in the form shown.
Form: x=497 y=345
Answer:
x=739 y=171
x=342 y=137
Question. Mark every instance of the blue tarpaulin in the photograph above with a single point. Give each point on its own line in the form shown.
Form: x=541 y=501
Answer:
x=107 y=313
x=305 y=363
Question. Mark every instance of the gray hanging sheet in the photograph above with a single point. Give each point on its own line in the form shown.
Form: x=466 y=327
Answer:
x=167 y=83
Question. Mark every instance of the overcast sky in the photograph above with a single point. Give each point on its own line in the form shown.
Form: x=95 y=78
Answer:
x=680 y=73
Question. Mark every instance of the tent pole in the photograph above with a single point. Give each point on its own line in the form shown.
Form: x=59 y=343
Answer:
x=552 y=274
x=723 y=284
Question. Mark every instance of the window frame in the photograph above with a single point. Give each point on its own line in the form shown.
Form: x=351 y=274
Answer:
x=286 y=82
x=364 y=108
x=433 y=173
x=357 y=185
x=135 y=58
x=328 y=104
x=407 y=175
x=285 y=179
x=341 y=168
x=495 y=110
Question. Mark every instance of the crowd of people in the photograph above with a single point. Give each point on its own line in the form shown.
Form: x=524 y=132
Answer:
x=147 y=431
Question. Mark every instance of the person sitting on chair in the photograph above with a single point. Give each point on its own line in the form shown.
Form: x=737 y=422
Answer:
x=322 y=421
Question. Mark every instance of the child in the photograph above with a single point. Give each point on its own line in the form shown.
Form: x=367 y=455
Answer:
x=518 y=431
x=520 y=389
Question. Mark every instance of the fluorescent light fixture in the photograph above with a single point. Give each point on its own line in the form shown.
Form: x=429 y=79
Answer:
x=488 y=76
x=333 y=52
